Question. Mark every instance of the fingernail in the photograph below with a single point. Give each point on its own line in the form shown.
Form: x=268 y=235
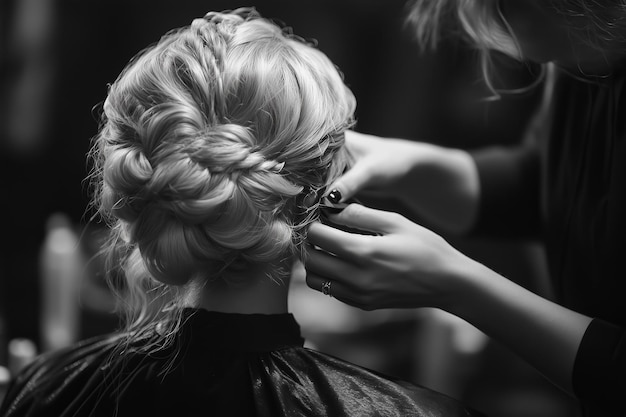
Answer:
x=331 y=210
x=334 y=196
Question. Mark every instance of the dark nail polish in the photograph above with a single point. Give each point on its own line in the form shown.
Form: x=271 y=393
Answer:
x=331 y=210
x=334 y=196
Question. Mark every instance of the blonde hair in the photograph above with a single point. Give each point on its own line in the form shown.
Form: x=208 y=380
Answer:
x=211 y=141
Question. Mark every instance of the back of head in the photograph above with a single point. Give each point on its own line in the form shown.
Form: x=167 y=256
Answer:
x=210 y=141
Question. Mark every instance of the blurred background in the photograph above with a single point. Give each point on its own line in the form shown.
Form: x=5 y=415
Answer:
x=56 y=59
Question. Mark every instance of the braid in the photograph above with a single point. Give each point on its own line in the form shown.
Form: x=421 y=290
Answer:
x=229 y=148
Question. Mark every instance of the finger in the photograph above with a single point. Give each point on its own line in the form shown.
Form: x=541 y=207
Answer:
x=356 y=142
x=352 y=181
x=359 y=175
x=332 y=267
x=316 y=282
x=356 y=216
x=345 y=245
x=337 y=289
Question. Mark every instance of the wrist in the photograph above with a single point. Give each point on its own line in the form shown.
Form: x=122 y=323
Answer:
x=465 y=279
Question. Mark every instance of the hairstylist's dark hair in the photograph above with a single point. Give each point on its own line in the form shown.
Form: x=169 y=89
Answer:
x=479 y=22
x=482 y=25
x=210 y=141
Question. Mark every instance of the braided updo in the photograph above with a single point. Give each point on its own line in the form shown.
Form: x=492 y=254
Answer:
x=210 y=141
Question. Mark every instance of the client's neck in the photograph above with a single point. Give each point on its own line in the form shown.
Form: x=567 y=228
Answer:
x=258 y=294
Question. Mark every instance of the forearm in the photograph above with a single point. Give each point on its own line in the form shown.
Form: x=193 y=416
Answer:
x=406 y=265
x=543 y=333
x=443 y=188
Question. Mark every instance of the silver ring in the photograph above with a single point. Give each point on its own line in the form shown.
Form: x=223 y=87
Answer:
x=326 y=288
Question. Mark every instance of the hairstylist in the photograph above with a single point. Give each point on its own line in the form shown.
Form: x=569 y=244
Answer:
x=565 y=184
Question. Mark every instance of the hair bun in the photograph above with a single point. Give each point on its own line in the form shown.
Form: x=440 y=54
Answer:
x=210 y=138
x=126 y=172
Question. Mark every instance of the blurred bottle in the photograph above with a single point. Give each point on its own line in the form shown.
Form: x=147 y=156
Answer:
x=5 y=378
x=3 y=340
x=4 y=372
x=61 y=266
x=21 y=353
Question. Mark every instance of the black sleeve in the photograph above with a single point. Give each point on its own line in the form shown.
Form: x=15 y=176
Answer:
x=509 y=192
x=599 y=377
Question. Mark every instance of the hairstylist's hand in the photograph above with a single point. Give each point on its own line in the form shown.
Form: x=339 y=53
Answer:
x=405 y=266
x=440 y=184
x=380 y=164
x=409 y=266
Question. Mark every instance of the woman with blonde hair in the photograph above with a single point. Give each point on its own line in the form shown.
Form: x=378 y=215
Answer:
x=215 y=148
x=565 y=184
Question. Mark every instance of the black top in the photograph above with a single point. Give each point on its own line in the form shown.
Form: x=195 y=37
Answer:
x=224 y=365
x=570 y=186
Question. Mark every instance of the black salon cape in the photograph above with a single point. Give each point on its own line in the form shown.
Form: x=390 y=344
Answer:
x=226 y=365
x=568 y=184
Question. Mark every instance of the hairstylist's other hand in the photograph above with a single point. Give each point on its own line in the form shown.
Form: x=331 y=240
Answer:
x=440 y=184
x=380 y=164
x=406 y=265
x=410 y=266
